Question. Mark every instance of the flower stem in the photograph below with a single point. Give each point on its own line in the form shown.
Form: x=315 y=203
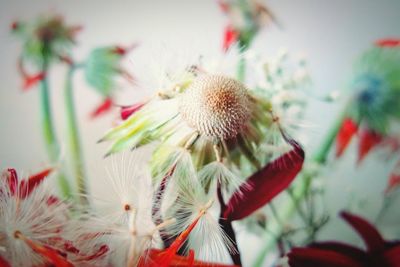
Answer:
x=300 y=191
x=73 y=137
x=49 y=135
x=241 y=69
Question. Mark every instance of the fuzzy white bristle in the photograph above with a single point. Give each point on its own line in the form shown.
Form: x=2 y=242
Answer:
x=33 y=218
x=216 y=106
x=207 y=239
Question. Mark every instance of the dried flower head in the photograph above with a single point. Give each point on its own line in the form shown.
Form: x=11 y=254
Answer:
x=216 y=106
x=207 y=118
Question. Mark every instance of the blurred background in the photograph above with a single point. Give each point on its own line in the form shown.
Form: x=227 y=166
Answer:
x=331 y=34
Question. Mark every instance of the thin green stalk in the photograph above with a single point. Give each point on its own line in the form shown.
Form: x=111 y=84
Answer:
x=241 y=69
x=300 y=191
x=49 y=135
x=73 y=137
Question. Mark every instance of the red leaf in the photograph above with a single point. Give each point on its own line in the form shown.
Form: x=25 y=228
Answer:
x=368 y=140
x=104 y=107
x=30 y=81
x=394 y=182
x=311 y=257
x=129 y=110
x=50 y=254
x=27 y=185
x=265 y=184
x=372 y=238
x=390 y=42
x=4 y=263
x=346 y=132
x=230 y=37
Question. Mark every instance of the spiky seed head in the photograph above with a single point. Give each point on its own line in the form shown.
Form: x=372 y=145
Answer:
x=216 y=106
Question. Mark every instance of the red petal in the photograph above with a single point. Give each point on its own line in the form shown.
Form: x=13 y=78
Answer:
x=4 y=263
x=392 y=256
x=12 y=180
x=393 y=183
x=368 y=140
x=346 y=132
x=344 y=249
x=51 y=255
x=129 y=110
x=99 y=253
x=155 y=257
x=312 y=257
x=230 y=37
x=119 y=50
x=265 y=184
x=390 y=42
x=223 y=5
x=372 y=238
x=27 y=185
x=14 y=25
x=104 y=107
x=30 y=81
x=51 y=200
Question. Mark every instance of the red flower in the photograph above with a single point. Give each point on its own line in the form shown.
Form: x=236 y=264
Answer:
x=336 y=254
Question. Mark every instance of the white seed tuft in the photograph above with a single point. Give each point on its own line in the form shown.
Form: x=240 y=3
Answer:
x=216 y=106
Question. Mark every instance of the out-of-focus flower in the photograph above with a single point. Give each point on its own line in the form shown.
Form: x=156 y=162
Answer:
x=379 y=252
x=373 y=109
x=246 y=18
x=47 y=37
x=102 y=68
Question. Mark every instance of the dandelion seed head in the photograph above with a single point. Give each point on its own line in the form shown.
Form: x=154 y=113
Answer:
x=216 y=106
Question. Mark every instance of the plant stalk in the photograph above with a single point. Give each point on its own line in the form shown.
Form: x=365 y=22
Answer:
x=73 y=138
x=49 y=135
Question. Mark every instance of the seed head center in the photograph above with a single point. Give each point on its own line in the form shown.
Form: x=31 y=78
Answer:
x=216 y=106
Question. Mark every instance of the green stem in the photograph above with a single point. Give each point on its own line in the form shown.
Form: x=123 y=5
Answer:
x=300 y=191
x=241 y=69
x=49 y=135
x=73 y=137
